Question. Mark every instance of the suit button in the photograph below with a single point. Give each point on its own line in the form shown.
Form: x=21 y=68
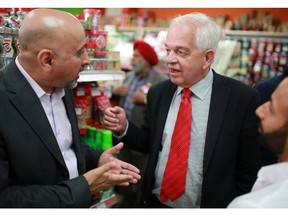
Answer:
x=65 y=174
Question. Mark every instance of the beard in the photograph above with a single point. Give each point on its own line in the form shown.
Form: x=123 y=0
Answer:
x=72 y=85
x=139 y=68
x=274 y=141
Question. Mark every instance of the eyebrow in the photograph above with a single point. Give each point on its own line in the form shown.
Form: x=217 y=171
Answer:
x=180 y=47
x=81 y=49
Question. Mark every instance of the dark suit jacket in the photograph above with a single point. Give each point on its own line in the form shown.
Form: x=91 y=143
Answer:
x=231 y=157
x=32 y=170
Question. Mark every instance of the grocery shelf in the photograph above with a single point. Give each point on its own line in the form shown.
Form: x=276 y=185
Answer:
x=227 y=32
x=234 y=33
x=146 y=29
x=95 y=75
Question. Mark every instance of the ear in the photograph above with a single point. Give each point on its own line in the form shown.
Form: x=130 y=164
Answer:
x=44 y=58
x=208 y=58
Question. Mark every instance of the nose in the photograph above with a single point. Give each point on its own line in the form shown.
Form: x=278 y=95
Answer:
x=85 y=58
x=260 y=111
x=171 y=58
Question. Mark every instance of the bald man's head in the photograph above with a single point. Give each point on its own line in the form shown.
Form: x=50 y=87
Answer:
x=52 y=48
x=42 y=27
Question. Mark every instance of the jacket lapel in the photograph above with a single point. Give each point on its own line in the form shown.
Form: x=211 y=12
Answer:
x=28 y=104
x=218 y=106
x=164 y=105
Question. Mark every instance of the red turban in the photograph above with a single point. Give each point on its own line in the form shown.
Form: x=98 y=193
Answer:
x=146 y=51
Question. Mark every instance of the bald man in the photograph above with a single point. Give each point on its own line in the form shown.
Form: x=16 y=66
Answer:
x=43 y=162
x=271 y=187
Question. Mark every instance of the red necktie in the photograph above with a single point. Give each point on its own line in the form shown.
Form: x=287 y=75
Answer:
x=174 y=179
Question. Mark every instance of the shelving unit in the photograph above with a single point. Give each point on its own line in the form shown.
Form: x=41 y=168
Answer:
x=258 y=34
x=257 y=55
x=145 y=29
x=141 y=31
x=227 y=33
x=94 y=75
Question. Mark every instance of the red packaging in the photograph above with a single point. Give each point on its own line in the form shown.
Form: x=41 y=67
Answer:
x=99 y=37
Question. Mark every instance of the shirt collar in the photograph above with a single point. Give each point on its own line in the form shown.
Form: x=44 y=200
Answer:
x=200 y=89
x=276 y=171
x=58 y=92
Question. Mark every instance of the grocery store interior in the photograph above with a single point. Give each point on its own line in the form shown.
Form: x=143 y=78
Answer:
x=245 y=30
x=254 y=47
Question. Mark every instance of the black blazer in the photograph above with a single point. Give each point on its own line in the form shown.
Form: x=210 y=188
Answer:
x=231 y=156
x=32 y=170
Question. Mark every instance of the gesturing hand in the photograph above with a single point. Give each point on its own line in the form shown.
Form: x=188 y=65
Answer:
x=121 y=167
x=103 y=178
x=111 y=172
x=114 y=118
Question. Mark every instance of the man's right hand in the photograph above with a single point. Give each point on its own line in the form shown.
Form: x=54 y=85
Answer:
x=114 y=119
x=105 y=177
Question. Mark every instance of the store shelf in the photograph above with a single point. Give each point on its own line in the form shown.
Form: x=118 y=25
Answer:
x=140 y=32
x=241 y=34
x=227 y=33
x=93 y=75
x=146 y=29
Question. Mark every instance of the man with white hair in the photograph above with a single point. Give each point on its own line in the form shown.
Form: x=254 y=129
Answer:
x=200 y=128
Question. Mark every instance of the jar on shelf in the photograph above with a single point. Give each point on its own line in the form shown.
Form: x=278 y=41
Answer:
x=100 y=60
x=92 y=18
x=100 y=54
x=15 y=42
x=8 y=43
x=81 y=19
x=2 y=53
x=90 y=47
x=99 y=37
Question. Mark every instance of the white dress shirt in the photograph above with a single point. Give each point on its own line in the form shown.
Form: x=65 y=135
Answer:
x=56 y=113
x=269 y=191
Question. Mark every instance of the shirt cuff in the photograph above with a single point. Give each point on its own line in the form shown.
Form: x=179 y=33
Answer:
x=117 y=136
